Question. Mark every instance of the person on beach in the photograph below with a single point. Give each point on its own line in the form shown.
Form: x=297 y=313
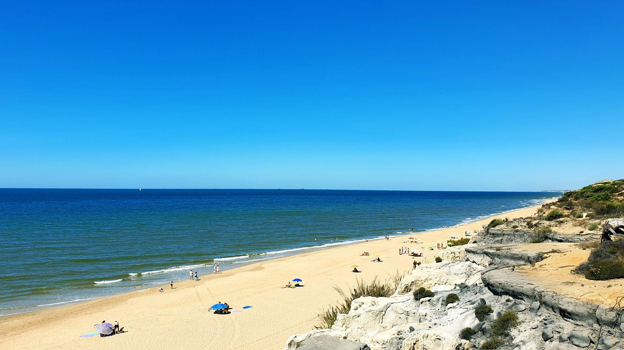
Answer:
x=191 y=275
x=214 y=269
x=196 y=278
x=355 y=269
x=116 y=328
x=218 y=269
x=171 y=284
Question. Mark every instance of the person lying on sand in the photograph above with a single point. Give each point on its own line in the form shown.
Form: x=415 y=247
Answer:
x=377 y=260
x=288 y=285
x=365 y=254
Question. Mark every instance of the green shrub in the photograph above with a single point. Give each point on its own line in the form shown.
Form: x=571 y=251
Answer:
x=438 y=259
x=605 y=270
x=554 y=215
x=422 y=292
x=538 y=237
x=577 y=215
x=467 y=333
x=530 y=224
x=541 y=234
x=452 y=298
x=496 y=222
x=605 y=262
x=492 y=344
x=505 y=322
x=460 y=241
x=593 y=226
x=482 y=311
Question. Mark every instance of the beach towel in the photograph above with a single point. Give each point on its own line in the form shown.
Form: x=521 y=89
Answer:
x=89 y=335
x=246 y=307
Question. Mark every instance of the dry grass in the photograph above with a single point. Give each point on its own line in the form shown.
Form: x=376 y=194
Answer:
x=362 y=289
x=588 y=245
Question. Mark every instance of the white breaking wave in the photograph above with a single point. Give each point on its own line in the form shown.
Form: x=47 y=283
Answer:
x=232 y=258
x=63 y=302
x=171 y=269
x=108 y=282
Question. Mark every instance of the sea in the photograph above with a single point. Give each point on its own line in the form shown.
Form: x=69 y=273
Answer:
x=60 y=246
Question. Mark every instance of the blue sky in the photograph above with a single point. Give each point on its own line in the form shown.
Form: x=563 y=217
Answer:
x=487 y=95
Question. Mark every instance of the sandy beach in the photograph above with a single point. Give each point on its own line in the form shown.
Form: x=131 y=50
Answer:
x=179 y=318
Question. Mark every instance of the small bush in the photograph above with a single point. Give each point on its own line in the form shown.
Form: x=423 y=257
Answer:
x=605 y=262
x=438 y=259
x=492 y=344
x=467 y=333
x=554 y=215
x=505 y=322
x=541 y=234
x=530 y=224
x=605 y=270
x=452 y=298
x=496 y=222
x=593 y=226
x=577 y=215
x=422 y=292
x=460 y=241
x=538 y=237
x=482 y=311
x=544 y=230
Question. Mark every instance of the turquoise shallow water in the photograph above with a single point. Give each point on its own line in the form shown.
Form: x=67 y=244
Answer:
x=60 y=246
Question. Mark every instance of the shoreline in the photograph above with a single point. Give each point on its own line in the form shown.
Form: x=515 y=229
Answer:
x=265 y=256
x=321 y=269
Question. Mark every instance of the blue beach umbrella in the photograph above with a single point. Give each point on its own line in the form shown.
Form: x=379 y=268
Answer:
x=218 y=306
x=297 y=280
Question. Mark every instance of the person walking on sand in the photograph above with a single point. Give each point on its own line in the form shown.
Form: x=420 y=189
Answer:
x=171 y=284
x=214 y=269
x=191 y=275
x=218 y=269
x=196 y=278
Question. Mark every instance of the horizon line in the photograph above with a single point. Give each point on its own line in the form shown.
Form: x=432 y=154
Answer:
x=262 y=189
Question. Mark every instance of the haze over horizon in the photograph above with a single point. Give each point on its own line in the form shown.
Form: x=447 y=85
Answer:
x=317 y=95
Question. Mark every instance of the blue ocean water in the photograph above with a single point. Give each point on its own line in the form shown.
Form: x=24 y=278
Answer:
x=60 y=245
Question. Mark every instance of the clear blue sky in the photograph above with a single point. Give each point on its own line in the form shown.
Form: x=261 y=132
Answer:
x=457 y=95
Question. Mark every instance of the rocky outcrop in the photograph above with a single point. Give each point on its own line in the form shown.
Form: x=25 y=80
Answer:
x=505 y=235
x=502 y=255
x=547 y=320
x=503 y=282
x=325 y=342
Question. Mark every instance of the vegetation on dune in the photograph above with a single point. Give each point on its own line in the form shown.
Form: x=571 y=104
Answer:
x=422 y=292
x=505 y=322
x=492 y=344
x=592 y=226
x=602 y=199
x=362 y=289
x=554 y=215
x=605 y=262
x=467 y=333
x=460 y=241
x=438 y=259
x=541 y=234
x=482 y=311
x=452 y=298
x=496 y=222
